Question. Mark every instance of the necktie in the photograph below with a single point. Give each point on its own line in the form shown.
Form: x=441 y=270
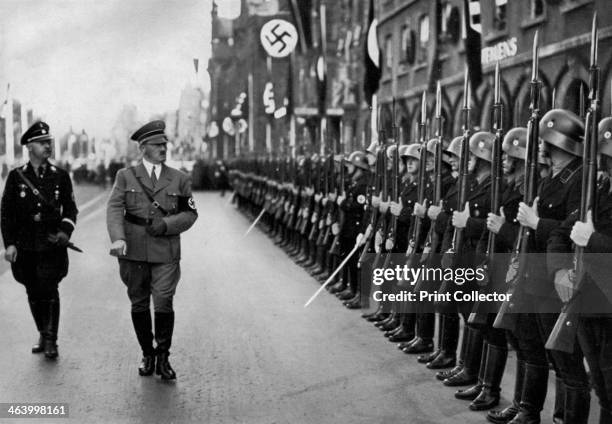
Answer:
x=153 y=176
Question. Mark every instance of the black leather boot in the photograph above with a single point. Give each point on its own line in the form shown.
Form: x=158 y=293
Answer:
x=533 y=395
x=577 y=404
x=38 y=316
x=51 y=321
x=143 y=328
x=443 y=375
x=559 y=408
x=339 y=286
x=505 y=415
x=403 y=334
x=164 y=325
x=473 y=353
x=473 y=392
x=493 y=374
x=428 y=357
x=420 y=345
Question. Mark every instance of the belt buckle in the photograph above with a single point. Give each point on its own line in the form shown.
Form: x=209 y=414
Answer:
x=37 y=217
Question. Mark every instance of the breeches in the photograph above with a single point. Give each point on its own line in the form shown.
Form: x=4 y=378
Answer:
x=145 y=280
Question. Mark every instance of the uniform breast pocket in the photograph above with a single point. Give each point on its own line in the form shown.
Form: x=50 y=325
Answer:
x=133 y=197
x=172 y=201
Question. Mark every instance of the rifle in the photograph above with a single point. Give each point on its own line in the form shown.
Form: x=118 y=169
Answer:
x=396 y=178
x=451 y=256
x=307 y=198
x=314 y=229
x=516 y=275
x=476 y=317
x=432 y=242
x=417 y=226
x=340 y=191
x=378 y=189
x=326 y=217
x=563 y=335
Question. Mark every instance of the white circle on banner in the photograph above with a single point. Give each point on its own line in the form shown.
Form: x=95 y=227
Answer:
x=278 y=37
x=228 y=126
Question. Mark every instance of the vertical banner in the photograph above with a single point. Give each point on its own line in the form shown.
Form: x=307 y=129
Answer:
x=17 y=131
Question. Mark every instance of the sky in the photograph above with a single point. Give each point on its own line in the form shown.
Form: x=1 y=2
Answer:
x=77 y=62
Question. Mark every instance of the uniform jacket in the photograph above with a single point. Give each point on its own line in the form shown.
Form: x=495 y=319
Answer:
x=26 y=221
x=559 y=198
x=596 y=292
x=354 y=207
x=172 y=191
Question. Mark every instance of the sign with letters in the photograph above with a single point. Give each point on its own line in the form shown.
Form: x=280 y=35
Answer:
x=499 y=51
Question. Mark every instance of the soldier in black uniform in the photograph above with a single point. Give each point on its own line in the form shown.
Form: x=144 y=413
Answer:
x=353 y=206
x=558 y=196
x=593 y=297
x=38 y=217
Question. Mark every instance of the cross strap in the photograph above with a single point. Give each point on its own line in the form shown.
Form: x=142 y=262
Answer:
x=154 y=202
x=36 y=191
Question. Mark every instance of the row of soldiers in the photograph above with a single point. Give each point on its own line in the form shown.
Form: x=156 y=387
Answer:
x=531 y=207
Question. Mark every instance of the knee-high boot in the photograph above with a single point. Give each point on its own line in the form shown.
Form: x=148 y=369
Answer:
x=505 y=415
x=533 y=394
x=51 y=322
x=164 y=326
x=493 y=374
x=38 y=315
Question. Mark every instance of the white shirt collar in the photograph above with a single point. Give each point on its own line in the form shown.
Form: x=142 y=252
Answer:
x=149 y=167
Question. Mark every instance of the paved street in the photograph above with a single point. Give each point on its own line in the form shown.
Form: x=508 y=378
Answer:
x=245 y=350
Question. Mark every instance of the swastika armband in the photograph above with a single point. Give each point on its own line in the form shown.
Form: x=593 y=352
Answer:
x=186 y=204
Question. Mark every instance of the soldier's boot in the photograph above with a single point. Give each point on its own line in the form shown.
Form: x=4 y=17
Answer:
x=449 y=335
x=473 y=392
x=408 y=333
x=424 y=340
x=559 y=408
x=390 y=323
x=428 y=357
x=533 y=395
x=52 y=315
x=443 y=375
x=143 y=327
x=38 y=315
x=577 y=404
x=473 y=353
x=493 y=374
x=164 y=326
x=505 y=415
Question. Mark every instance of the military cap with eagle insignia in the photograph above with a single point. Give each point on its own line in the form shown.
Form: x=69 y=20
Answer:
x=152 y=133
x=39 y=131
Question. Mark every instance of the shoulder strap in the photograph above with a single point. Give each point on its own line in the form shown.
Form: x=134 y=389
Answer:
x=154 y=202
x=36 y=192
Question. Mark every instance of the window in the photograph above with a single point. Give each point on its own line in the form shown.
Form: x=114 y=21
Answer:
x=423 y=37
x=536 y=8
x=388 y=51
x=499 y=16
x=405 y=44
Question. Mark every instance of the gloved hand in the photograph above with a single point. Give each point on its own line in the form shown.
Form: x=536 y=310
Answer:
x=60 y=238
x=157 y=228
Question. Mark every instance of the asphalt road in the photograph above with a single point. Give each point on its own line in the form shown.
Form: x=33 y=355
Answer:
x=245 y=349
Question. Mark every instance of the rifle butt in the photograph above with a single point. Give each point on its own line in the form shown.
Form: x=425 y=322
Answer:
x=563 y=335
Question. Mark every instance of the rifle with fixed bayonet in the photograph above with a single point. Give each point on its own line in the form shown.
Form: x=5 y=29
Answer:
x=563 y=335
x=478 y=317
x=516 y=275
x=451 y=256
x=417 y=226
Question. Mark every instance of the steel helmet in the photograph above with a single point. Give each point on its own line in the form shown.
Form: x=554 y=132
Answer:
x=410 y=151
x=359 y=159
x=563 y=129
x=481 y=145
x=515 y=143
x=455 y=146
x=431 y=148
x=605 y=136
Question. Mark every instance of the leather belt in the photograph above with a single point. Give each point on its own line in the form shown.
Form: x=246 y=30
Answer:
x=136 y=220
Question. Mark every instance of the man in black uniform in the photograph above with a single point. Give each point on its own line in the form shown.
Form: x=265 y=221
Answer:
x=38 y=217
